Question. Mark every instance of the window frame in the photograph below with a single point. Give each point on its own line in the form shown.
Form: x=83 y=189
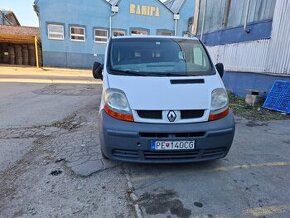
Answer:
x=76 y=34
x=55 y=33
x=101 y=37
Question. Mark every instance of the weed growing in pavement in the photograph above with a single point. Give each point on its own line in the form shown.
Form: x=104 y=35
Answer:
x=241 y=108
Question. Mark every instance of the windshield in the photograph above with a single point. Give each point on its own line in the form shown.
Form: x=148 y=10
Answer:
x=158 y=57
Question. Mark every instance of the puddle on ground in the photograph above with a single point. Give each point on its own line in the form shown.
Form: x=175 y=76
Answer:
x=162 y=203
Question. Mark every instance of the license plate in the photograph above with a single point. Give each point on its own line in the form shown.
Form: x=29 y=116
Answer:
x=172 y=145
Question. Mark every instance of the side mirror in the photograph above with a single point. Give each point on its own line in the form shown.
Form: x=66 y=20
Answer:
x=220 y=69
x=97 y=70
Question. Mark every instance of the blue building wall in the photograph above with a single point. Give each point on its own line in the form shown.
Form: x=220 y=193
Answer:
x=186 y=11
x=67 y=53
x=125 y=20
x=93 y=14
x=240 y=82
x=256 y=31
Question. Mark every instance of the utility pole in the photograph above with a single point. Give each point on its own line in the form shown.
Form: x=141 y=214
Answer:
x=203 y=20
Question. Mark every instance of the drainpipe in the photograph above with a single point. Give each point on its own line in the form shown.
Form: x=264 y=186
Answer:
x=203 y=20
x=115 y=10
x=36 y=51
x=111 y=23
x=247 y=16
x=176 y=17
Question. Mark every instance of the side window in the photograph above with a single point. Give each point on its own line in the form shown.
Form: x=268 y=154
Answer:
x=101 y=35
x=197 y=57
x=77 y=34
x=55 y=31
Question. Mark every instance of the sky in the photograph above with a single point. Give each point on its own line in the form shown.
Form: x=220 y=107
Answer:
x=22 y=9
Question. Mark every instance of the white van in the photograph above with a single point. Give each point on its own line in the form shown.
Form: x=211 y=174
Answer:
x=163 y=101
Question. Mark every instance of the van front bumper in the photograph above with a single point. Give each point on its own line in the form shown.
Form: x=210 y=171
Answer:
x=131 y=142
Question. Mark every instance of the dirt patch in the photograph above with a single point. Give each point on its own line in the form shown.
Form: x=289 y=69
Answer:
x=9 y=176
x=68 y=123
x=68 y=90
x=254 y=124
x=163 y=202
x=240 y=108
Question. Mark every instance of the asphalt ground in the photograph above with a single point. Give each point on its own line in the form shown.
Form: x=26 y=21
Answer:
x=51 y=166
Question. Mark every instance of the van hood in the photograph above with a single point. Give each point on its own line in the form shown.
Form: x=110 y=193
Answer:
x=158 y=93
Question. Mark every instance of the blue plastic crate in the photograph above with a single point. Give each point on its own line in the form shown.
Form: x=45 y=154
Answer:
x=278 y=98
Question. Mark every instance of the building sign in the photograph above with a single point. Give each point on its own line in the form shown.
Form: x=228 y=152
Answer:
x=144 y=10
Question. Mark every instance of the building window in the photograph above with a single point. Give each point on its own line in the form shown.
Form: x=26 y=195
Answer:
x=55 y=31
x=119 y=33
x=101 y=35
x=165 y=33
x=139 y=32
x=77 y=34
x=214 y=14
x=232 y=13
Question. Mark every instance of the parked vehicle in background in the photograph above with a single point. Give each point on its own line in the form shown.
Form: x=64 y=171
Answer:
x=163 y=101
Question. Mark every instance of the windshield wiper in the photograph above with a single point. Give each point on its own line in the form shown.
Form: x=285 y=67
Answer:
x=136 y=73
x=127 y=72
x=174 y=74
x=165 y=74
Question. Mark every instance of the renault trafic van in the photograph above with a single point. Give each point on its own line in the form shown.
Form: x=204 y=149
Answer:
x=163 y=101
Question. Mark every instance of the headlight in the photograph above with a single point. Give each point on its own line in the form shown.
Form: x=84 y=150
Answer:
x=117 y=105
x=219 y=99
x=219 y=104
x=116 y=99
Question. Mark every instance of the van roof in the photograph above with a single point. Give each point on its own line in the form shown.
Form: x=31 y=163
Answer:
x=154 y=36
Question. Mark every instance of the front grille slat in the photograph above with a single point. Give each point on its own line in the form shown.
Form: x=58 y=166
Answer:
x=170 y=155
x=130 y=154
x=213 y=151
x=198 y=154
x=150 y=114
x=176 y=135
x=191 y=114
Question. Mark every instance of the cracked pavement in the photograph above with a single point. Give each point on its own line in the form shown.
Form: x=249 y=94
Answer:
x=51 y=165
x=50 y=162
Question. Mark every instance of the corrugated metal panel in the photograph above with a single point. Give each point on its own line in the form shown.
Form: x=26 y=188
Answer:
x=279 y=50
x=174 y=5
x=262 y=56
x=249 y=56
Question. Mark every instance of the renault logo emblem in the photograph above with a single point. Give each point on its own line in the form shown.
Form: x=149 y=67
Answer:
x=171 y=116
